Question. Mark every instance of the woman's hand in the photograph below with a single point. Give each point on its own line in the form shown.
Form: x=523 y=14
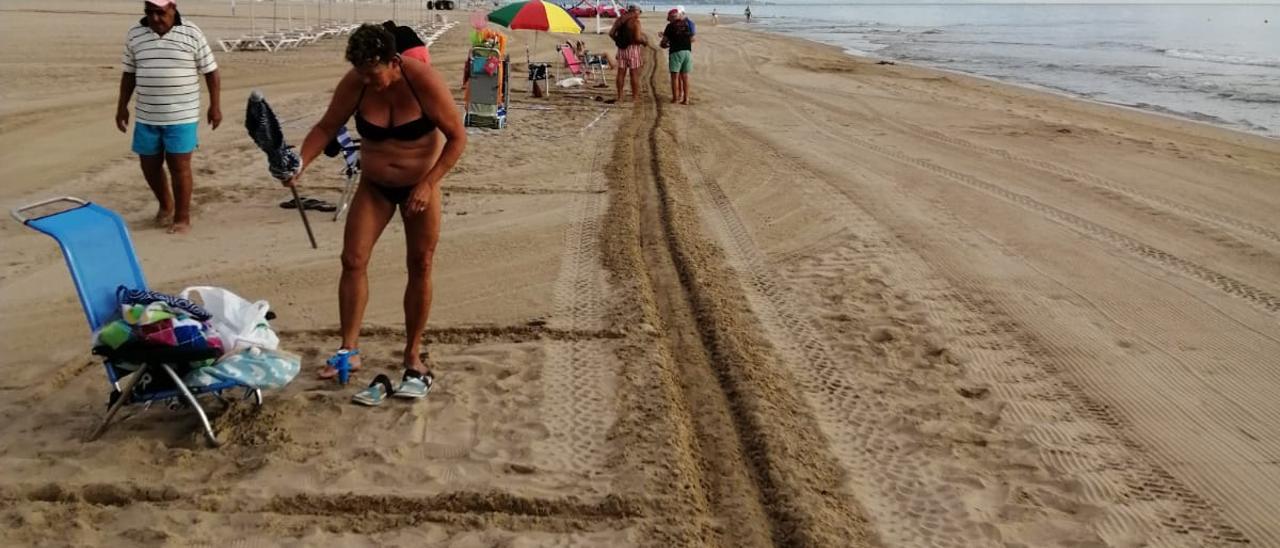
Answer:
x=297 y=177
x=420 y=198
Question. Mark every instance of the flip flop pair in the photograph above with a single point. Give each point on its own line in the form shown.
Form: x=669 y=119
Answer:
x=415 y=385
x=310 y=203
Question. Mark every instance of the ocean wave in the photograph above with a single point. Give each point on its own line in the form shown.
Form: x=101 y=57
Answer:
x=1193 y=55
x=1188 y=114
x=1251 y=97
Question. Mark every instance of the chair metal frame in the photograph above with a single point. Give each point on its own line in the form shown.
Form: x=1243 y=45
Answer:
x=351 y=158
x=123 y=386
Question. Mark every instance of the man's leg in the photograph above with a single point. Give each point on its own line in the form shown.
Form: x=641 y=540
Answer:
x=621 y=81
x=179 y=144
x=684 y=87
x=180 y=174
x=148 y=146
x=153 y=172
x=675 y=87
x=635 y=85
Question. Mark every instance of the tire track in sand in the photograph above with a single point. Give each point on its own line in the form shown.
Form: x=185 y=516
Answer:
x=765 y=472
x=1257 y=297
x=910 y=507
x=1231 y=286
x=577 y=378
x=1101 y=185
x=1074 y=435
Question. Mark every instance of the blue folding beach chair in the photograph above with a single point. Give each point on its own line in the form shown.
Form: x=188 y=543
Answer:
x=349 y=147
x=100 y=258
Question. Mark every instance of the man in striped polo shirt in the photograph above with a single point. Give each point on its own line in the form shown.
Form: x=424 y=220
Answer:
x=163 y=60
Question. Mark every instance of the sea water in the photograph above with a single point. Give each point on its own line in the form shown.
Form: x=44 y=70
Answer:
x=1216 y=63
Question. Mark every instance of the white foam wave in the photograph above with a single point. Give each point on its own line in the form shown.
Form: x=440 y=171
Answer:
x=1221 y=58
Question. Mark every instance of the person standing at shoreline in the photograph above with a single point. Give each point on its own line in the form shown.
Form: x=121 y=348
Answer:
x=678 y=37
x=747 y=12
x=628 y=36
x=163 y=60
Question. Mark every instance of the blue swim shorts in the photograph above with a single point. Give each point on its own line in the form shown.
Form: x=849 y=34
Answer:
x=149 y=140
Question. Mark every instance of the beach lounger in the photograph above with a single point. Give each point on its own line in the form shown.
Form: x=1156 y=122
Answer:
x=100 y=258
x=576 y=66
x=276 y=42
x=230 y=44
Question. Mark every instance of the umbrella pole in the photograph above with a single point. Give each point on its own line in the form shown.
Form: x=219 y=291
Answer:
x=297 y=202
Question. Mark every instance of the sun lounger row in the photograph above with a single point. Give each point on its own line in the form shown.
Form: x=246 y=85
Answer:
x=288 y=39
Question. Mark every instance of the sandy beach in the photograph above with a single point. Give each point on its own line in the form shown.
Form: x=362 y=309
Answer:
x=830 y=303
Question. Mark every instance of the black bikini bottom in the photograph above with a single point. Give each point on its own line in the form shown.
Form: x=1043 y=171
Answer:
x=397 y=195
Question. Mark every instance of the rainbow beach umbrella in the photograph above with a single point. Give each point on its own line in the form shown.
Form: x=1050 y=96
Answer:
x=536 y=15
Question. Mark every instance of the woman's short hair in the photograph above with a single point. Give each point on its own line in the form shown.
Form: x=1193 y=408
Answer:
x=371 y=44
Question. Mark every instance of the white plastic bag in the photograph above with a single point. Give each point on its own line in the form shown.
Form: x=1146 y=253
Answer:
x=239 y=323
x=571 y=82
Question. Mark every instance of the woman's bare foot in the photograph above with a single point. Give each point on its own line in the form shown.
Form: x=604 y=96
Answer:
x=420 y=362
x=329 y=372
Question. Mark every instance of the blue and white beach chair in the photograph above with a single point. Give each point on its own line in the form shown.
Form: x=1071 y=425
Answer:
x=343 y=143
x=100 y=258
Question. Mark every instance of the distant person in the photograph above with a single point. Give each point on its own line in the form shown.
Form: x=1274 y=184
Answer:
x=748 y=13
x=590 y=57
x=163 y=60
x=715 y=17
x=678 y=37
x=630 y=39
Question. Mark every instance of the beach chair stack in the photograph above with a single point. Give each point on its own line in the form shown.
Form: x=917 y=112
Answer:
x=485 y=92
x=304 y=36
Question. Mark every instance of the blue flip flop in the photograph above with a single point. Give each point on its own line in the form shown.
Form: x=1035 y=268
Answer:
x=376 y=393
x=415 y=384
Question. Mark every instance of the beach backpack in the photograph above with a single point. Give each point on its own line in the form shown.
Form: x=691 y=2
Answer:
x=408 y=43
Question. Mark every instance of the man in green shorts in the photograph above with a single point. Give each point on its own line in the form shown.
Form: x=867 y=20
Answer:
x=678 y=38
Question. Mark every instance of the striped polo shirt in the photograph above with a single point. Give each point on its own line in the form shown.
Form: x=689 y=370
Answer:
x=168 y=70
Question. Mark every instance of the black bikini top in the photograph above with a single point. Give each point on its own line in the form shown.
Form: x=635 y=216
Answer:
x=408 y=131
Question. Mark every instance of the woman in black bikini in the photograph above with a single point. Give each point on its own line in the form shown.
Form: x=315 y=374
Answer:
x=411 y=137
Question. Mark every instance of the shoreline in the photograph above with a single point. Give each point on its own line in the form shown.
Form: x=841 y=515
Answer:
x=870 y=56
